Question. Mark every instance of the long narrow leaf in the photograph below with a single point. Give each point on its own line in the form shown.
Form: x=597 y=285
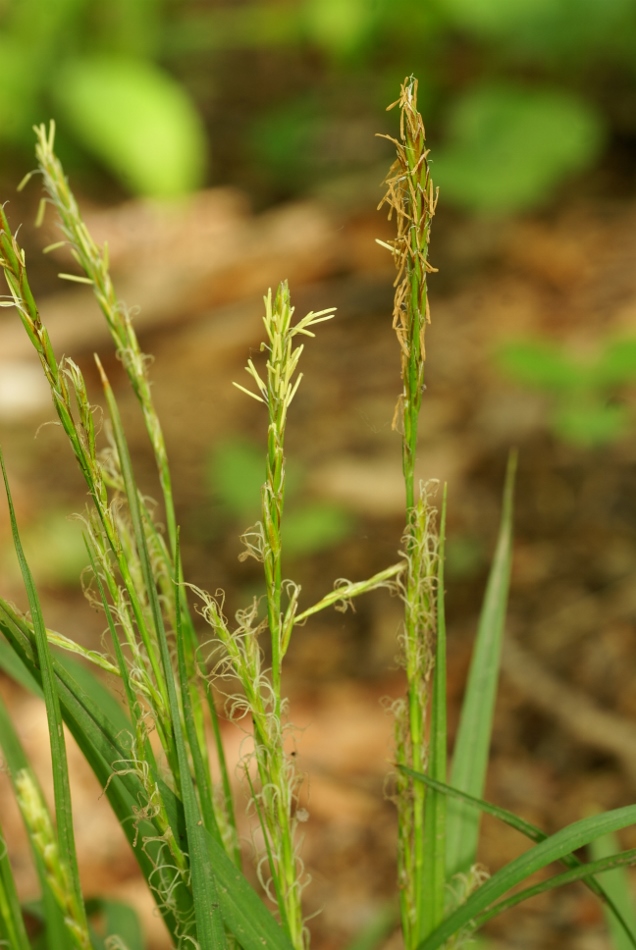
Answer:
x=612 y=862
x=94 y=261
x=243 y=911
x=470 y=757
x=615 y=909
x=61 y=784
x=554 y=848
x=616 y=884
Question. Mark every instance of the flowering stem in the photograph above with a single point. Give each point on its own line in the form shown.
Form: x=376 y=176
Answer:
x=410 y=195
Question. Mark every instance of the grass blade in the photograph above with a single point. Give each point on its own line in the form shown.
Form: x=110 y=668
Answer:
x=61 y=786
x=554 y=848
x=470 y=757
x=243 y=911
x=201 y=772
x=617 y=885
x=94 y=261
x=584 y=872
x=615 y=909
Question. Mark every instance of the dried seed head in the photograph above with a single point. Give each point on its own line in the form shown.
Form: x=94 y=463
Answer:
x=410 y=194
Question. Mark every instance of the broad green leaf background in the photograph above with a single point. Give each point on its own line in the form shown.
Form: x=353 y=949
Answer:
x=136 y=119
x=510 y=147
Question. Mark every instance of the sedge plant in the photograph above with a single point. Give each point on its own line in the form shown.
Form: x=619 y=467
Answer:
x=175 y=802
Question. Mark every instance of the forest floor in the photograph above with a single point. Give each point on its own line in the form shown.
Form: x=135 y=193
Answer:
x=565 y=737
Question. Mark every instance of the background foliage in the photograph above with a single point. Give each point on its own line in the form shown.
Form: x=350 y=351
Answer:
x=277 y=95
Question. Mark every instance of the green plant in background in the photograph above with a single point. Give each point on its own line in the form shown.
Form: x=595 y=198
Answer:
x=509 y=86
x=525 y=115
x=583 y=393
x=509 y=146
x=235 y=473
x=177 y=811
x=97 y=71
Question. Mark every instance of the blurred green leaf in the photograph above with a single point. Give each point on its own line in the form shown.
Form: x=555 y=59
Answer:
x=54 y=548
x=137 y=120
x=495 y=17
x=591 y=422
x=135 y=29
x=374 y=935
x=338 y=26
x=314 y=527
x=541 y=364
x=588 y=30
x=118 y=919
x=18 y=91
x=509 y=147
x=465 y=556
x=283 y=139
x=617 y=363
x=236 y=475
x=582 y=413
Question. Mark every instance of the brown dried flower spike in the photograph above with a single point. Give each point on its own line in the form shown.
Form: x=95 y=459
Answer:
x=411 y=195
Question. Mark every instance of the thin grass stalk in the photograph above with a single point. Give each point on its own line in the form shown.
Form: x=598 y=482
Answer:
x=94 y=263
x=275 y=803
x=435 y=812
x=66 y=382
x=141 y=747
x=411 y=197
x=128 y=551
x=110 y=524
x=207 y=926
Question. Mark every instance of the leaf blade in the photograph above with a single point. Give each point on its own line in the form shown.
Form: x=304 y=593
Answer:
x=554 y=848
x=470 y=757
